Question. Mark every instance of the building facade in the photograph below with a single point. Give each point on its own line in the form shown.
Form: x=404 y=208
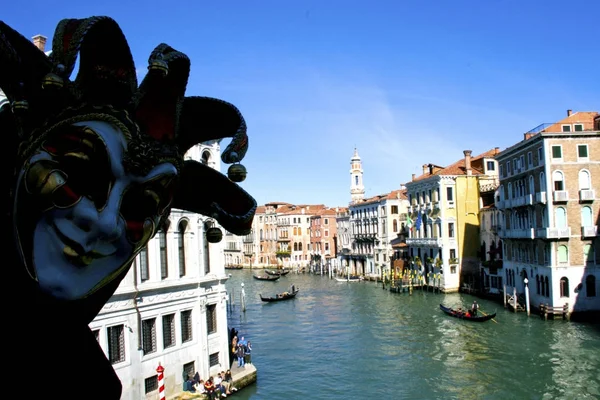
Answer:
x=549 y=185
x=444 y=217
x=171 y=307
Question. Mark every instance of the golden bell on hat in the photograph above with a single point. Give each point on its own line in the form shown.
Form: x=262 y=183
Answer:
x=159 y=66
x=20 y=105
x=214 y=235
x=52 y=81
x=237 y=172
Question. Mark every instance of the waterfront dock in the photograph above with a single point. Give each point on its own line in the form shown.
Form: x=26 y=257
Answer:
x=242 y=377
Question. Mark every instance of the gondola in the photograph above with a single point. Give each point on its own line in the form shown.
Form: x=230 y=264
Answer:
x=278 y=272
x=462 y=315
x=266 y=277
x=280 y=296
x=233 y=266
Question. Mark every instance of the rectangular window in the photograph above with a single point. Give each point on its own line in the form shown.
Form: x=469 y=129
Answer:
x=566 y=128
x=164 y=268
x=451 y=229
x=508 y=168
x=144 y=265
x=556 y=152
x=394 y=209
x=582 y=151
x=211 y=318
x=522 y=162
x=116 y=343
x=213 y=359
x=501 y=171
x=529 y=160
x=186 y=326
x=168 y=322
x=149 y=336
x=540 y=155
x=189 y=369
x=515 y=167
x=449 y=194
x=151 y=384
x=491 y=166
x=578 y=127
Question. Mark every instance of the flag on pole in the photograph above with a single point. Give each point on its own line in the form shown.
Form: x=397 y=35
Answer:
x=409 y=221
x=418 y=223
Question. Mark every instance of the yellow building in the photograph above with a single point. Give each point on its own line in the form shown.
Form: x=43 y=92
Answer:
x=444 y=205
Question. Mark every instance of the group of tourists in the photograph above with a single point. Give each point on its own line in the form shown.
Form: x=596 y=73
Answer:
x=241 y=351
x=214 y=387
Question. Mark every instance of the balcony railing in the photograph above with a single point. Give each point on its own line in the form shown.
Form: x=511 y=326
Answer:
x=527 y=233
x=560 y=195
x=587 y=195
x=540 y=197
x=553 y=233
x=431 y=242
x=589 y=231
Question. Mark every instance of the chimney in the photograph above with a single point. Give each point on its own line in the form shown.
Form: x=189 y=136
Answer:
x=40 y=42
x=569 y=113
x=467 y=154
x=496 y=150
x=424 y=169
x=413 y=177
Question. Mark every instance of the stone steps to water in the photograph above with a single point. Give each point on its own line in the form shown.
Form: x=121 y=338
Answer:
x=242 y=377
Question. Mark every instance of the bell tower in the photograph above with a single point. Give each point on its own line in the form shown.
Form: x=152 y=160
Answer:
x=357 y=189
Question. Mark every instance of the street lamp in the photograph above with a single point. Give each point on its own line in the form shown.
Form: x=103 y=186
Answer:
x=526 y=281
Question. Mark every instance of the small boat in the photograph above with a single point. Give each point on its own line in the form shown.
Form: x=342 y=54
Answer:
x=463 y=315
x=280 y=296
x=348 y=279
x=280 y=272
x=233 y=266
x=266 y=277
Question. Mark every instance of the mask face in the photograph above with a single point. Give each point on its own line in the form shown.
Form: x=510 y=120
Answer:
x=80 y=217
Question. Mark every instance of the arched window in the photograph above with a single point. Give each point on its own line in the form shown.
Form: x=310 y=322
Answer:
x=586 y=216
x=395 y=226
x=205 y=157
x=560 y=217
x=531 y=185
x=295 y=246
x=299 y=231
x=563 y=254
x=299 y=246
x=590 y=286
x=181 y=245
x=584 y=180
x=261 y=235
x=547 y=286
x=510 y=190
x=295 y=231
x=542 y=182
x=557 y=178
x=564 y=287
x=164 y=265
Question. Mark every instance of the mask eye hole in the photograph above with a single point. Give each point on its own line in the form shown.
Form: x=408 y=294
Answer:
x=83 y=159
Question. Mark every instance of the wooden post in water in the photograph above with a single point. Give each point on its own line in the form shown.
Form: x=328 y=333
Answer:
x=243 y=300
x=504 y=296
x=515 y=299
x=526 y=281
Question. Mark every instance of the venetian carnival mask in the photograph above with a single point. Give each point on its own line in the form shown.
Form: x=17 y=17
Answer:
x=100 y=161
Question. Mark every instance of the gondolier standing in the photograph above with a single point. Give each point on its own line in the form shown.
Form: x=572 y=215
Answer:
x=474 y=308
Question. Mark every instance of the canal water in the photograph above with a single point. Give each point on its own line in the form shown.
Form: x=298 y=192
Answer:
x=355 y=340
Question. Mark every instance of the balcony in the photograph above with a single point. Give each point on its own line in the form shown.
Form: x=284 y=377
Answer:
x=429 y=242
x=527 y=233
x=540 y=197
x=587 y=195
x=553 y=233
x=436 y=205
x=560 y=196
x=589 y=231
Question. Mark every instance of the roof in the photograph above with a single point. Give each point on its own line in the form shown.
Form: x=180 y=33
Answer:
x=458 y=167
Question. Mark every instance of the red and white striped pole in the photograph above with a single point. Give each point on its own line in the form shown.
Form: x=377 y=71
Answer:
x=161 y=382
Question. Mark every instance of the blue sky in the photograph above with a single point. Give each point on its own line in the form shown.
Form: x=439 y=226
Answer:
x=407 y=83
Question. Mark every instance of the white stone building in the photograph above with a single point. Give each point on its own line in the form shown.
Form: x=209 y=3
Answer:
x=171 y=307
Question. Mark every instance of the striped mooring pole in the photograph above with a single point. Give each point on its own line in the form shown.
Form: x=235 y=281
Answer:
x=161 y=382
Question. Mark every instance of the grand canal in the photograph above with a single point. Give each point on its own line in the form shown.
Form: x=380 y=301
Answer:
x=354 y=340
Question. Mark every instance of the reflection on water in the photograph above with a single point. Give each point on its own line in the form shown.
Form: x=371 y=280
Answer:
x=338 y=340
